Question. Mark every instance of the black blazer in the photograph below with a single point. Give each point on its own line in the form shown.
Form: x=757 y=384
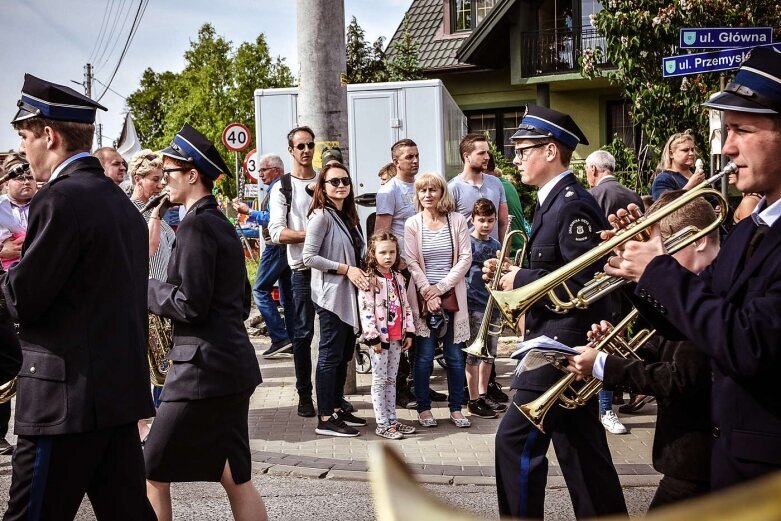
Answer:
x=565 y=226
x=612 y=196
x=678 y=375
x=79 y=296
x=207 y=297
x=732 y=313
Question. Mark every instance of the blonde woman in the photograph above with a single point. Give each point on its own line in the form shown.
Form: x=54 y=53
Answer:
x=676 y=170
x=439 y=254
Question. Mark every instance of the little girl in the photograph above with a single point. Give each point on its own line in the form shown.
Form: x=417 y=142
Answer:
x=388 y=328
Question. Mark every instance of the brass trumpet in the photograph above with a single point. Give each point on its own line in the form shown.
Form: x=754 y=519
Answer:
x=516 y=302
x=614 y=343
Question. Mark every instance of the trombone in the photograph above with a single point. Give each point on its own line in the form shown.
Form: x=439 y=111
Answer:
x=516 y=302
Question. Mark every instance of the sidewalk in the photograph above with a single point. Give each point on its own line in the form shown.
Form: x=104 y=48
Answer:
x=285 y=444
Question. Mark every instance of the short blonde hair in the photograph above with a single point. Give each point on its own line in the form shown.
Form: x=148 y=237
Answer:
x=431 y=179
x=144 y=162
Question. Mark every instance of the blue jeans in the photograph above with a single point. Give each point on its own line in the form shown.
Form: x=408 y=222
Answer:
x=303 y=329
x=605 y=401
x=424 y=364
x=337 y=342
x=273 y=268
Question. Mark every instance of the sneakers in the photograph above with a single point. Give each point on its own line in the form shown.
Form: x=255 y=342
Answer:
x=388 y=432
x=480 y=408
x=6 y=449
x=350 y=419
x=496 y=406
x=277 y=348
x=306 y=408
x=403 y=427
x=334 y=426
x=612 y=424
x=495 y=393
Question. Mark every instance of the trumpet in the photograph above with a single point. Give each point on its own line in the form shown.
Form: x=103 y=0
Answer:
x=515 y=303
x=616 y=342
x=479 y=346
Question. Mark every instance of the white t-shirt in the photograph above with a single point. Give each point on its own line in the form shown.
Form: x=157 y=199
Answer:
x=280 y=218
x=396 y=198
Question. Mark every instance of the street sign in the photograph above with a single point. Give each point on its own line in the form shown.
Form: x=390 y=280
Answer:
x=724 y=37
x=251 y=164
x=712 y=61
x=236 y=137
x=251 y=191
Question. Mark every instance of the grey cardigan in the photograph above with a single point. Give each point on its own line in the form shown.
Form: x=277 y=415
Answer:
x=328 y=244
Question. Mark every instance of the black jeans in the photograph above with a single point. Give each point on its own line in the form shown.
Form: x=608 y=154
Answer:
x=303 y=330
x=672 y=490
x=337 y=342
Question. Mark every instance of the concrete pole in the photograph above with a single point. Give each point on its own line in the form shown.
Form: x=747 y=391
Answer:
x=322 y=98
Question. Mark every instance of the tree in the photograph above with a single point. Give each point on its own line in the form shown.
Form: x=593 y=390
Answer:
x=365 y=63
x=638 y=34
x=404 y=62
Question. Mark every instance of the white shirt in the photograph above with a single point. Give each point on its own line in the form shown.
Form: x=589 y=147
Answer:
x=296 y=219
x=65 y=163
x=13 y=217
x=768 y=215
x=546 y=189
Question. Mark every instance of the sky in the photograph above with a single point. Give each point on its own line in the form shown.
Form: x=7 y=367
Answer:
x=55 y=39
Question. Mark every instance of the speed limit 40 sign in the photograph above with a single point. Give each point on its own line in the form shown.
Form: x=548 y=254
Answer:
x=236 y=137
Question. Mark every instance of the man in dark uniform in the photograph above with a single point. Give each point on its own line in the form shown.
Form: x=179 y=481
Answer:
x=79 y=296
x=732 y=310
x=201 y=431
x=566 y=224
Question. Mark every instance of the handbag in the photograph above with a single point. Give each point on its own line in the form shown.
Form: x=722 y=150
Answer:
x=448 y=300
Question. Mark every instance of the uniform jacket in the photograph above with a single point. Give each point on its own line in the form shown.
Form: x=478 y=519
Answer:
x=566 y=226
x=207 y=297
x=79 y=296
x=373 y=305
x=612 y=195
x=732 y=313
x=678 y=375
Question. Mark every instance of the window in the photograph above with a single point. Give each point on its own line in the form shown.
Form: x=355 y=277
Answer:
x=467 y=14
x=500 y=125
x=619 y=122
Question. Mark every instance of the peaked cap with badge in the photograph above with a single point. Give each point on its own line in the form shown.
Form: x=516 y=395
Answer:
x=544 y=123
x=193 y=147
x=757 y=85
x=41 y=98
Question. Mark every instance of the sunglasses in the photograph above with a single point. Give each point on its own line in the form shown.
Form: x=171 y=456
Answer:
x=302 y=146
x=336 y=181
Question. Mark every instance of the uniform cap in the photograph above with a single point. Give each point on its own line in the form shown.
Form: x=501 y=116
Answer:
x=544 y=123
x=44 y=99
x=757 y=85
x=193 y=147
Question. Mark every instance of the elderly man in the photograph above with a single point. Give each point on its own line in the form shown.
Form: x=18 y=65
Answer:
x=273 y=267
x=732 y=310
x=609 y=193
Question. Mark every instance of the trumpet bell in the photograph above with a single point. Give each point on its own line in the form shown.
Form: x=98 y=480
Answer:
x=478 y=348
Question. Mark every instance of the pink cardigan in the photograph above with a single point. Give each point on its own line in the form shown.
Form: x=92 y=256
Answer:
x=462 y=259
x=373 y=310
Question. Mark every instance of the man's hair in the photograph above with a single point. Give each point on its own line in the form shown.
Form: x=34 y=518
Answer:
x=603 y=160
x=698 y=212
x=565 y=153
x=272 y=160
x=75 y=136
x=101 y=153
x=206 y=181
x=467 y=144
x=483 y=208
x=389 y=170
x=446 y=204
x=398 y=145
x=299 y=129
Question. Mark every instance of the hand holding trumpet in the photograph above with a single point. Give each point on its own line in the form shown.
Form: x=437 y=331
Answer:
x=508 y=270
x=633 y=256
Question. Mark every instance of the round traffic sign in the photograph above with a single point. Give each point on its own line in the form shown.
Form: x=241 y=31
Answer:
x=251 y=166
x=236 y=137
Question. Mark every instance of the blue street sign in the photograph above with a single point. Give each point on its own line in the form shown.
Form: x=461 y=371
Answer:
x=713 y=61
x=724 y=37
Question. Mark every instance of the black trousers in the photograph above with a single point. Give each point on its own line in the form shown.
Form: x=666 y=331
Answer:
x=5 y=417
x=51 y=474
x=672 y=490
x=582 y=451
x=303 y=329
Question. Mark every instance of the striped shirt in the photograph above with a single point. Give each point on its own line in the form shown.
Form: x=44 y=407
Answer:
x=158 y=263
x=437 y=253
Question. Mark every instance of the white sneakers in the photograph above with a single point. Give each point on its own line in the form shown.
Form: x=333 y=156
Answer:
x=612 y=424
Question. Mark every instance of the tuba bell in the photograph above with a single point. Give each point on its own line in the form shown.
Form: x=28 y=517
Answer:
x=160 y=341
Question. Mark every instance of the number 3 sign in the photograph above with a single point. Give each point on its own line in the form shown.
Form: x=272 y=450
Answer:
x=236 y=137
x=251 y=166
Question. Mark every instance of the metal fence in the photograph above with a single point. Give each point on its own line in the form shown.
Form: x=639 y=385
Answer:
x=555 y=51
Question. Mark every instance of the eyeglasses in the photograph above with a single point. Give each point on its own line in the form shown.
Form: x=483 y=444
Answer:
x=167 y=171
x=336 y=181
x=302 y=146
x=520 y=151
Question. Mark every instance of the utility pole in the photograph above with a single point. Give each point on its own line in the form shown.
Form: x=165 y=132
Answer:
x=88 y=80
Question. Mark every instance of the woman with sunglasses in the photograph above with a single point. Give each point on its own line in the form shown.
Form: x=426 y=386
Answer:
x=676 y=169
x=333 y=248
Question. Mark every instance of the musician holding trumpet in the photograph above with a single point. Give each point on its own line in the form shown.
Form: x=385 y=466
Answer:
x=566 y=225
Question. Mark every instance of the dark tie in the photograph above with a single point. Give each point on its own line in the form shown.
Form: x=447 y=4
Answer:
x=759 y=233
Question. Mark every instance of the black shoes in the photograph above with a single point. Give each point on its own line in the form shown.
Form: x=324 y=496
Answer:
x=6 y=449
x=306 y=408
x=635 y=404
x=335 y=426
x=480 y=408
x=350 y=419
x=346 y=406
x=495 y=406
x=495 y=393
x=278 y=348
x=436 y=397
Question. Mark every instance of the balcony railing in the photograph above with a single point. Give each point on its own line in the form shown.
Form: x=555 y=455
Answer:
x=556 y=51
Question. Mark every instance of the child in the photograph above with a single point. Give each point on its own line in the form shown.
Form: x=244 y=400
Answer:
x=386 y=319
x=478 y=370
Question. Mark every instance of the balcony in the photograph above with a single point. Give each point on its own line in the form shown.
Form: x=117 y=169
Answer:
x=556 y=51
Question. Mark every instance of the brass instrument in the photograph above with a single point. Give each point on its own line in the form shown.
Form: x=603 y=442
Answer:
x=479 y=346
x=7 y=390
x=516 y=302
x=616 y=342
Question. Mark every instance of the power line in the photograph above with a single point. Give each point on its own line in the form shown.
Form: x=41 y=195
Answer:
x=100 y=33
x=134 y=28
x=112 y=34
x=109 y=88
x=118 y=34
x=102 y=43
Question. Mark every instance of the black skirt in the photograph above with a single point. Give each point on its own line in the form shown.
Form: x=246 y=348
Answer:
x=192 y=440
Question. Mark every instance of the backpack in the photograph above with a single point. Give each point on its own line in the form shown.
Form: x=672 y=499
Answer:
x=286 y=187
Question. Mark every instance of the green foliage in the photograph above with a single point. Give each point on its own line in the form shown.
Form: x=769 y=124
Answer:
x=637 y=35
x=404 y=62
x=215 y=88
x=365 y=62
x=627 y=171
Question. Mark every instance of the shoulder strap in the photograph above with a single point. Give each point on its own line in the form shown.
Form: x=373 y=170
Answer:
x=452 y=247
x=286 y=187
